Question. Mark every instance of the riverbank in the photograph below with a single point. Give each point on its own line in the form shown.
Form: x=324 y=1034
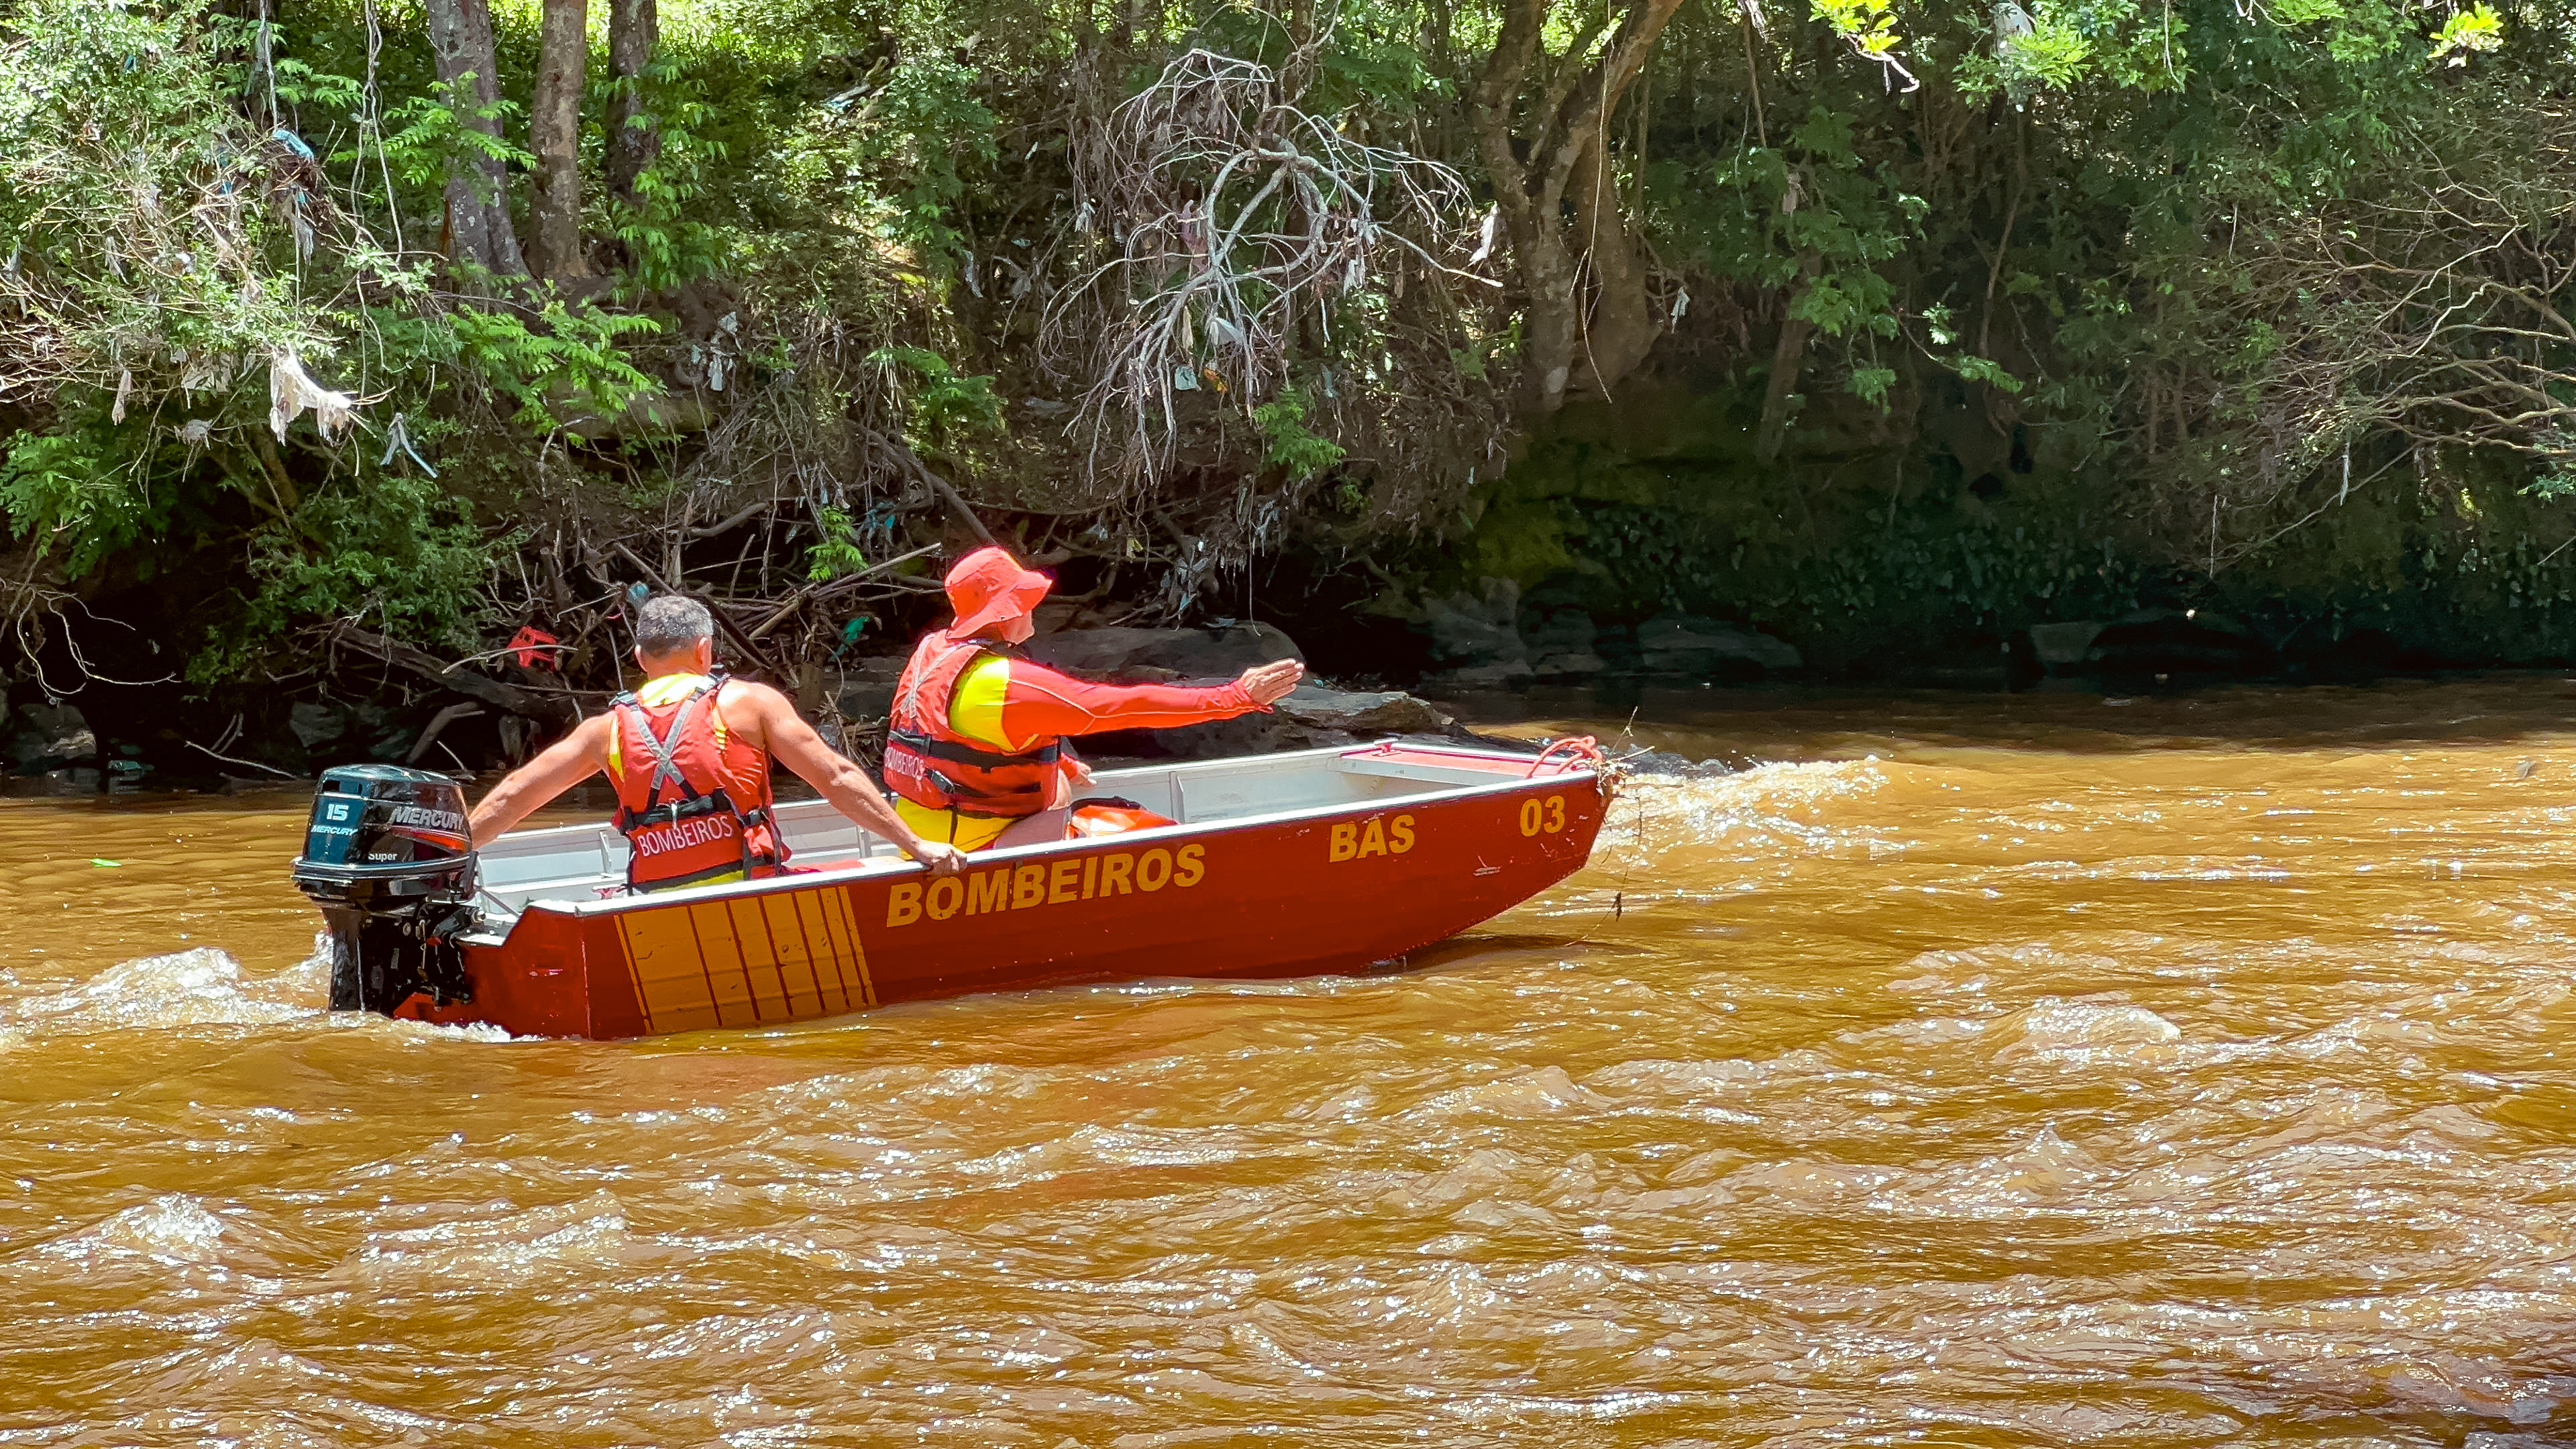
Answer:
x=1473 y=659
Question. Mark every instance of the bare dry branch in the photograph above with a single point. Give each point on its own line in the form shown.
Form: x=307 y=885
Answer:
x=1235 y=222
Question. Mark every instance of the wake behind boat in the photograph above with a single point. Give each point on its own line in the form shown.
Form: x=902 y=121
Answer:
x=1281 y=865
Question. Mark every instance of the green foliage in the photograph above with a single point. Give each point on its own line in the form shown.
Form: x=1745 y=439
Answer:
x=77 y=487
x=1986 y=370
x=2466 y=33
x=835 y=553
x=1870 y=25
x=1290 y=444
x=562 y=368
x=2554 y=484
x=137 y=237
x=1376 y=61
x=1812 y=208
x=669 y=242
x=427 y=137
x=2056 y=266
x=901 y=154
x=392 y=550
x=300 y=84
x=944 y=411
x=1811 y=217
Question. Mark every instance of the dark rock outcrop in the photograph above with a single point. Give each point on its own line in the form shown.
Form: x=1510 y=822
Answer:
x=1312 y=707
x=2367 y=654
x=1476 y=638
x=1697 y=648
x=1221 y=652
x=1564 y=646
x=1311 y=717
x=866 y=694
x=2160 y=645
x=47 y=737
x=316 y=722
x=2060 y=648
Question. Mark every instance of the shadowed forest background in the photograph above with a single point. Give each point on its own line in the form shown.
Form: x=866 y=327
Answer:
x=342 y=342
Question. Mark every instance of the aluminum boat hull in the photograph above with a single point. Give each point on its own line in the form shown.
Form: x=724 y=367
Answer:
x=1457 y=837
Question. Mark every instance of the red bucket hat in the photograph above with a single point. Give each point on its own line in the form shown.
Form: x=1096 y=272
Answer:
x=989 y=586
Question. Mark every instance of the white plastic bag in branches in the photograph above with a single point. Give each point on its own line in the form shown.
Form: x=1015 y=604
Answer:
x=291 y=392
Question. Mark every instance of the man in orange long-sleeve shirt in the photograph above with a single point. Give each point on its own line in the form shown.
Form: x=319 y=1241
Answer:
x=975 y=752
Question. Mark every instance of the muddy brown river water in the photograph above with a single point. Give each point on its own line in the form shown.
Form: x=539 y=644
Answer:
x=1967 y=1070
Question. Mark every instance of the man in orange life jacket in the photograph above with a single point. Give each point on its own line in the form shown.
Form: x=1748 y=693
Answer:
x=975 y=751
x=688 y=752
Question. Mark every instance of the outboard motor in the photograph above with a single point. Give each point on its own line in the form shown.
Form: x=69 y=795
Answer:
x=388 y=858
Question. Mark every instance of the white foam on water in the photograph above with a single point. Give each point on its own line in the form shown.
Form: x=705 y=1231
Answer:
x=1771 y=805
x=201 y=986
x=173 y=1228
x=491 y=1254
x=2052 y=1026
x=197 y=987
x=1542 y=1092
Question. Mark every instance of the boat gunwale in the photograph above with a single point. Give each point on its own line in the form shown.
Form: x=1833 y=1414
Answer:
x=1576 y=769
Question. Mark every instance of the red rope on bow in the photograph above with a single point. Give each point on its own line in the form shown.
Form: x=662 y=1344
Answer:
x=1582 y=752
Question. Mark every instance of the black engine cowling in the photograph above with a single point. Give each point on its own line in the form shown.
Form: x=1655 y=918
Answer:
x=388 y=858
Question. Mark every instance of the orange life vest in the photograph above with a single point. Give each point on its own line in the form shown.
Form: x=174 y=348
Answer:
x=930 y=764
x=692 y=797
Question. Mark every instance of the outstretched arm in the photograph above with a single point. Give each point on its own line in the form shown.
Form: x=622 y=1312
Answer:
x=1041 y=702
x=793 y=743
x=565 y=763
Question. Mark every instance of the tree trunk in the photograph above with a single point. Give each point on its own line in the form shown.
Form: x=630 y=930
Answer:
x=554 y=134
x=1621 y=327
x=1553 y=341
x=478 y=213
x=1786 y=359
x=1564 y=133
x=634 y=141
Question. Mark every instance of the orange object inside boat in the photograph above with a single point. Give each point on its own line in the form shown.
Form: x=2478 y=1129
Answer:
x=1111 y=816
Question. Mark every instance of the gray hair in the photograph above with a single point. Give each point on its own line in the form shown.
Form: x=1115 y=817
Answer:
x=669 y=623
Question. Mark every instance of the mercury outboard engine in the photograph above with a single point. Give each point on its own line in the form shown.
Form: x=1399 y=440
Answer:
x=388 y=858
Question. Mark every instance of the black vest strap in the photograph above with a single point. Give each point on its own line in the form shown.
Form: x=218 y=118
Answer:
x=965 y=754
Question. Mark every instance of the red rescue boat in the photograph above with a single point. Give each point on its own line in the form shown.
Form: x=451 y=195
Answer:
x=1281 y=865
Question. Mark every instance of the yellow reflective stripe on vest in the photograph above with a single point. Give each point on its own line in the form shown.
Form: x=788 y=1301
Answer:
x=975 y=706
x=678 y=885
x=661 y=690
x=667 y=689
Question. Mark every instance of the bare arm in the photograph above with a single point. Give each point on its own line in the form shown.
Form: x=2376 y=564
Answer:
x=565 y=763
x=793 y=743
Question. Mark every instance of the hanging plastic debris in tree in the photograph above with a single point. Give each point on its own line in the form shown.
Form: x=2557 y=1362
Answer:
x=291 y=393
x=398 y=440
x=205 y=372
